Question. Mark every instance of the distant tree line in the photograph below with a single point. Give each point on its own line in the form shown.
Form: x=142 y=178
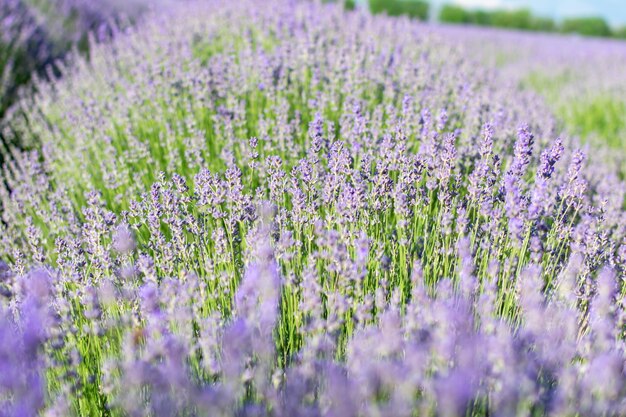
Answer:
x=521 y=19
x=416 y=9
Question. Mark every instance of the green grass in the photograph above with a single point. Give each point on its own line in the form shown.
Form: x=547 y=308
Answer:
x=597 y=117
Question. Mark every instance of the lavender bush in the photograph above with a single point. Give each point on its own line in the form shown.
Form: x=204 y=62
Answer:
x=239 y=210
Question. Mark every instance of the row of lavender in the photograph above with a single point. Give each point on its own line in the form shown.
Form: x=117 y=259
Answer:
x=294 y=211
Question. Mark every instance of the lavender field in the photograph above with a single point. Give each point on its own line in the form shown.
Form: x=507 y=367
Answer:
x=243 y=208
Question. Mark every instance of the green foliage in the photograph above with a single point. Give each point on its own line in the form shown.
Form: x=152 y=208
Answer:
x=603 y=115
x=513 y=19
x=544 y=24
x=523 y=19
x=10 y=59
x=413 y=8
x=481 y=17
x=588 y=26
x=600 y=117
x=516 y=19
x=451 y=13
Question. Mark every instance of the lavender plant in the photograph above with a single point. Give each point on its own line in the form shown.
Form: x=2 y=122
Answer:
x=298 y=211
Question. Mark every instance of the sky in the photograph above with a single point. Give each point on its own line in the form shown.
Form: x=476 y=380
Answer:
x=614 y=11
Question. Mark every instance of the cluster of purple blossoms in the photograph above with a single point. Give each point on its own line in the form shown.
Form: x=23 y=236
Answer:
x=237 y=210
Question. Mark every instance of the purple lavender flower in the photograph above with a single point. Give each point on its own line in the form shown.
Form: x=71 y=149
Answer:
x=123 y=239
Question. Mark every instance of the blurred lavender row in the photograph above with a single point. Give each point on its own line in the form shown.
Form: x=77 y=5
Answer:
x=517 y=53
x=582 y=79
x=242 y=210
x=36 y=33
